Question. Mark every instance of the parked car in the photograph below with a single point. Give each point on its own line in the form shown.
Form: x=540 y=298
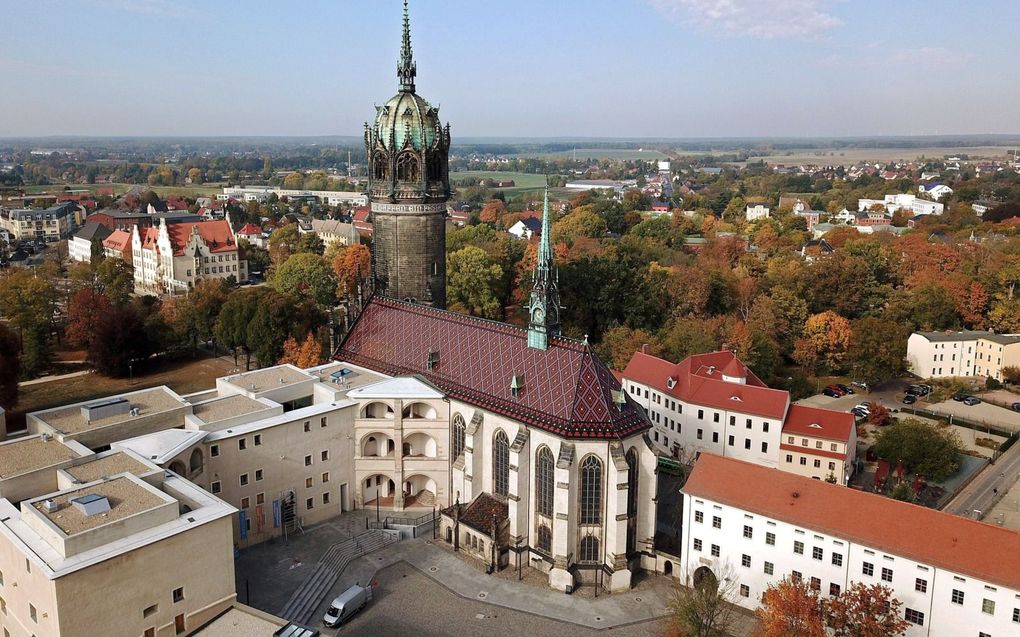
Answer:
x=831 y=393
x=1015 y=406
x=346 y=605
x=860 y=384
x=865 y=406
x=970 y=401
x=959 y=397
x=837 y=390
x=909 y=399
x=919 y=390
x=860 y=413
x=846 y=388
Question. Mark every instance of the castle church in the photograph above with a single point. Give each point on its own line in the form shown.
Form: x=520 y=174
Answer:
x=536 y=455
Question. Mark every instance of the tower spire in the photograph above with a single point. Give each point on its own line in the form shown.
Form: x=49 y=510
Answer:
x=545 y=296
x=406 y=69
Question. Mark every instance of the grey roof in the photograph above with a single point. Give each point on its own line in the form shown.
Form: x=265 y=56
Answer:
x=970 y=335
x=53 y=212
x=93 y=231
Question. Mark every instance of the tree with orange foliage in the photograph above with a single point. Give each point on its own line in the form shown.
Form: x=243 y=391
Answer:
x=829 y=335
x=620 y=343
x=82 y=311
x=790 y=608
x=349 y=264
x=865 y=611
x=492 y=211
x=307 y=354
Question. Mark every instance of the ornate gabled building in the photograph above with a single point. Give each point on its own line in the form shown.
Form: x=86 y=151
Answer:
x=407 y=150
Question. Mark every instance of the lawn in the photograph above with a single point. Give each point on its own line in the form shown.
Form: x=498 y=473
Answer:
x=857 y=155
x=619 y=154
x=183 y=376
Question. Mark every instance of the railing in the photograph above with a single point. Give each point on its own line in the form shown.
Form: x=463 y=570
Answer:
x=391 y=520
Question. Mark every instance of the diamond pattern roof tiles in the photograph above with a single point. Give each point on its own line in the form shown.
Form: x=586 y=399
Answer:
x=566 y=389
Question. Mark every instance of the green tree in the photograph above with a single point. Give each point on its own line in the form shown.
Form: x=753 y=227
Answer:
x=931 y=451
x=236 y=314
x=119 y=340
x=116 y=280
x=311 y=242
x=307 y=276
x=274 y=321
x=876 y=349
x=620 y=343
x=579 y=223
x=472 y=282
x=703 y=605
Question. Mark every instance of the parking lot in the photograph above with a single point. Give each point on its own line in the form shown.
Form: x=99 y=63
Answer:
x=982 y=413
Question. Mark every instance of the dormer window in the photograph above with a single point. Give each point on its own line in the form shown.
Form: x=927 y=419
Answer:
x=815 y=425
x=433 y=360
x=516 y=384
x=671 y=382
x=736 y=398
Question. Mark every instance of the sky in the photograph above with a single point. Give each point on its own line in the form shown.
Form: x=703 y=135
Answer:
x=520 y=68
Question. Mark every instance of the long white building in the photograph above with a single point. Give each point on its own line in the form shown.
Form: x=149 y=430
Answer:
x=956 y=577
x=962 y=354
x=713 y=402
x=261 y=193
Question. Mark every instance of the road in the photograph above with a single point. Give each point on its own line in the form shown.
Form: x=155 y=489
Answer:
x=984 y=490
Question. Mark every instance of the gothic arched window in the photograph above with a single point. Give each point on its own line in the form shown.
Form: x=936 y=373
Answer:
x=500 y=464
x=544 y=538
x=544 y=482
x=435 y=170
x=589 y=549
x=632 y=495
x=407 y=168
x=380 y=166
x=591 y=490
x=458 y=435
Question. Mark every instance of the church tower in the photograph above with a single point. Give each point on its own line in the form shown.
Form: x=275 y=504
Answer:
x=544 y=306
x=407 y=150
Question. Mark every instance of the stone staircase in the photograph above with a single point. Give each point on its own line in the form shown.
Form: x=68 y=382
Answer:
x=331 y=565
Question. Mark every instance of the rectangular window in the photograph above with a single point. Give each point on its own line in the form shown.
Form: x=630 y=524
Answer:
x=988 y=606
x=325 y=498
x=715 y=417
x=886 y=574
x=765 y=427
x=325 y=477
x=1016 y=615
x=957 y=597
x=733 y=420
x=308 y=483
x=699 y=516
x=214 y=451
x=803 y=460
x=715 y=550
x=245 y=503
x=770 y=538
x=308 y=461
x=747 y=443
x=816 y=553
x=795 y=575
x=715 y=436
x=244 y=479
x=769 y=568
x=818 y=464
x=789 y=457
x=764 y=447
x=215 y=486
x=837 y=559
x=242 y=443
x=834 y=589
x=745 y=561
x=258 y=439
x=700 y=434
x=914 y=616
x=798 y=547
x=322 y=422
x=324 y=455
x=748 y=424
x=310 y=503
x=748 y=532
x=179 y=594
x=32 y=613
x=308 y=426
x=921 y=585
x=258 y=475
x=260 y=498
x=701 y=414
x=868 y=569
x=745 y=591
x=697 y=544
x=816 y=584
x=716 y=522
x=731 y=441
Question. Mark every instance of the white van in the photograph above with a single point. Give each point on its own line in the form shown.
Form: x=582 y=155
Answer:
x=346 y=605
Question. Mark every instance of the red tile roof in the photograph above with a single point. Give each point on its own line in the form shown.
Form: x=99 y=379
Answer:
x=566 y=389
x=914 y=532
x=119 y=240
x=250 y=229
x=216 y=235
x=479 y=513
x=698 y=380
x=361 y=213
x=820 y=423
x=149 y=237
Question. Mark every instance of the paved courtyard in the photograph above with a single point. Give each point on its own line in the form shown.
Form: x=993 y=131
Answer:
x=424 y=588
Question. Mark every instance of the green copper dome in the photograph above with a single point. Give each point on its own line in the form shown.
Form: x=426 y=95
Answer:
x=407 y=118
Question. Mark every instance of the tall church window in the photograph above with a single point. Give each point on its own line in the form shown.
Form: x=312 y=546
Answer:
x=501 y=464
x=407 y=167
x=435 y=169
x=458 y=435
x=632 y=495
x=380 y=165
x=589 y=549
x=591 y=490
x=544 y=482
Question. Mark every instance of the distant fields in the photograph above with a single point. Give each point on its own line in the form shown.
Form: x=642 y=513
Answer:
x=621 y=154
x=203 y=190
x=856 y=155
x=524 y=182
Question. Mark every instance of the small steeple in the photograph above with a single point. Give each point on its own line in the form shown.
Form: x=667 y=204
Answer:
x=545 y=297
x=406 y=69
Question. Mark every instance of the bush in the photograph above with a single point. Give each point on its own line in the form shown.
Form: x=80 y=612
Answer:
x=991 y=383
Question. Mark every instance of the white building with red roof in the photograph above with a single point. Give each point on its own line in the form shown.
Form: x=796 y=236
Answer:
x=171 y=258
x=954 y=576
x=253 y=235
x=712 y=402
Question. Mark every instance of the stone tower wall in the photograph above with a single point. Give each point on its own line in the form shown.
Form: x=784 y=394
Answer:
x=410 y=251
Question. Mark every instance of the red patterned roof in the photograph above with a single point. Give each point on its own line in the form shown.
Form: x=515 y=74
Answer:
x=216 y=234
x=250 y=229
x=566 y=389
x=698 y=380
